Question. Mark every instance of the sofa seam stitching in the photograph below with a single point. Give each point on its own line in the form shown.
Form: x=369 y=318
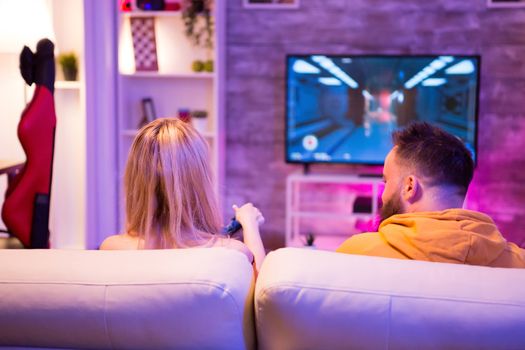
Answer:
x=266 y=290
x=106 y=328
x=217 y=286
x=112 y=284
x=389 y=326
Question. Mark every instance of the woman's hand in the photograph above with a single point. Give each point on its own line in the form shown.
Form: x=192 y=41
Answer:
x=248 y=215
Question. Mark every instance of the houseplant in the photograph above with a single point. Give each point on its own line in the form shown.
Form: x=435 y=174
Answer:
x=69 y=63
x=198 y=22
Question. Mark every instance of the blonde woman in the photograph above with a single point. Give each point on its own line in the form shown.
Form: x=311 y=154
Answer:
x=170 y=201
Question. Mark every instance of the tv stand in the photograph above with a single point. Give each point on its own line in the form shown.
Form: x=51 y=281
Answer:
x=318 y=207
x=306 y=168
x=371 y=175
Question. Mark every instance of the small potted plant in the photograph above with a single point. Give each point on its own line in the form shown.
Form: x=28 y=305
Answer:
x=199 y=28
x=199 y=120
x=69 y=63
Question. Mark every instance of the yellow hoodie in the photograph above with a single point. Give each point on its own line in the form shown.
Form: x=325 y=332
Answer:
x=453 y=236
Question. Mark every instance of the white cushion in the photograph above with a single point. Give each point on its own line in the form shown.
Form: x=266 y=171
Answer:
x=307 y=299
x=150 y=299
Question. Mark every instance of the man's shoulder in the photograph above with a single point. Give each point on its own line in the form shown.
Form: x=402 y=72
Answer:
x=360 y=243
x=514 y=256
x=371 y=244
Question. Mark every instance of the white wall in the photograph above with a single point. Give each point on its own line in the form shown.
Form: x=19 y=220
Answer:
x=68 y=193
x=11 y=106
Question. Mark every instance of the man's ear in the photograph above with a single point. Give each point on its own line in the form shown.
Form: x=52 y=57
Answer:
x=411 y=189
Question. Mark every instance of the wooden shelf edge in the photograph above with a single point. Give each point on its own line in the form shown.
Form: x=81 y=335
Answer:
x=133 y=133
x=67 y=85
x=169 y=75
x=139 y=13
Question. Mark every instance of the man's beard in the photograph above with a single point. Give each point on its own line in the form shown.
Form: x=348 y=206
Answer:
x=392 y=207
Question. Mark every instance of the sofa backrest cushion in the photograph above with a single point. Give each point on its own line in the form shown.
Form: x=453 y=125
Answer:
x=308 y=299
x=151 y=299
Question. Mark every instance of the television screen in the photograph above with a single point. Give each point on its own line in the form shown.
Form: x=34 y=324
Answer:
x=343 y=109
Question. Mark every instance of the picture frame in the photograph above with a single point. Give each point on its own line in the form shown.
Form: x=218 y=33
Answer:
x=148 y=111
x=505 y=3
x=271 y=4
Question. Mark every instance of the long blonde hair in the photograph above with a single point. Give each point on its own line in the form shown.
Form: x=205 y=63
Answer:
x=168 y=183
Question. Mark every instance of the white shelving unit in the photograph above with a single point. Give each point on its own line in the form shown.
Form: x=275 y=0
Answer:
x=295 y=211
x=156 y=75
x=174 y=86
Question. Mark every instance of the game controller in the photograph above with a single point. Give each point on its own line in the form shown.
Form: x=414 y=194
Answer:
x=232 y=227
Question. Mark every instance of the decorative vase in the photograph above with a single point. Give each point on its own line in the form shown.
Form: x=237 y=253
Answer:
x=70 y=73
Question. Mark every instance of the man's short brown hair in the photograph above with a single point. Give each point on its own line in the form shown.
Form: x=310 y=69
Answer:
x=440 y=157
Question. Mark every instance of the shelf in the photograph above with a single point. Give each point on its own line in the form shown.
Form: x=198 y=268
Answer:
x=151 y=14
x=208 y=134
x=133 y=133
x=140 y=13
x=169 y=75
x=333 y=178
x=320 y=218
x=174 y=85
x=67 y=85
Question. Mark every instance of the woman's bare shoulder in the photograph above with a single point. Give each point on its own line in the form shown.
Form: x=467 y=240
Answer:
x=234 y=244
x=121 y=241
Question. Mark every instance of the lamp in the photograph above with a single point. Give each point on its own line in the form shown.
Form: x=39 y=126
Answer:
x=24 y=22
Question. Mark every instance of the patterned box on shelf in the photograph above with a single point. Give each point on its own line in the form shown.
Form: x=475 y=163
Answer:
x=144 y=45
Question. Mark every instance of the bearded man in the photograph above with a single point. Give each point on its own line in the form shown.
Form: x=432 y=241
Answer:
x=426 y=175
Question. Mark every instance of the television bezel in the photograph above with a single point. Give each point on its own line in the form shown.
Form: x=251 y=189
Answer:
x=295 y=55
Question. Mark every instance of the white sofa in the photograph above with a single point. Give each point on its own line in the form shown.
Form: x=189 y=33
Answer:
x=308 y=299
x=203 y=299
x=163 y=299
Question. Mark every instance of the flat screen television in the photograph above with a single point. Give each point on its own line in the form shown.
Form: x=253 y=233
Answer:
x=343 y=108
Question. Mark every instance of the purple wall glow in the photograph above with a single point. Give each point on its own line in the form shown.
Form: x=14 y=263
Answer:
x=258 y=40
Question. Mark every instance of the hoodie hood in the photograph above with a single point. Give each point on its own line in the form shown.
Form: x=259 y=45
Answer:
x=452 y=235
